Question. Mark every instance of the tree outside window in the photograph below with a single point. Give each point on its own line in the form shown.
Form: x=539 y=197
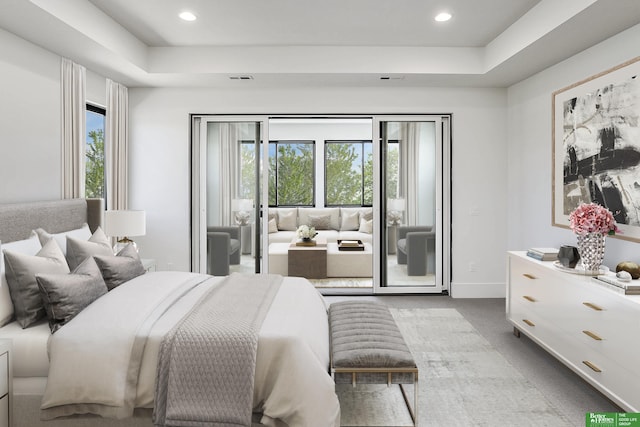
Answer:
x=291 y=173
x=94 y=152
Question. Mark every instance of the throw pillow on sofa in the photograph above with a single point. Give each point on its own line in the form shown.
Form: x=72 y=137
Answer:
x=320 y=222
x=287 y=221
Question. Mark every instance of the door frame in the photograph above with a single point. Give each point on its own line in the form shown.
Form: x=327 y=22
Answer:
x=443 y=192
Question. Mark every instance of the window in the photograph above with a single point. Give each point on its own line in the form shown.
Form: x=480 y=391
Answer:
x=348 y=173
x=292 y=174
x=94 y=152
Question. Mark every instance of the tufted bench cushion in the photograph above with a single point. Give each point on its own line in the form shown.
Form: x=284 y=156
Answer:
x=368 y=347
x=365 y=335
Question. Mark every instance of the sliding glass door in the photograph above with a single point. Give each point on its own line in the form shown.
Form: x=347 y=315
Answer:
x=381 y=182
x=226 y=195
x=411 y=152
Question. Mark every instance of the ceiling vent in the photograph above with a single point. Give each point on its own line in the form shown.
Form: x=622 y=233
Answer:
x=241 y=77
x=391 y=77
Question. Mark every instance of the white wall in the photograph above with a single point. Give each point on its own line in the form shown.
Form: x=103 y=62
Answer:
x=529 y=147
x=160 y=162
x=30 y=143
x=29 y=121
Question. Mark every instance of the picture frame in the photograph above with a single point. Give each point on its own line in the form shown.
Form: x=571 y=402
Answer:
x=596 y=147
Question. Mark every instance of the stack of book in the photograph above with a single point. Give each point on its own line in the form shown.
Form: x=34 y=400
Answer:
x=543 y=254
x=616 y=285
x=350 y=245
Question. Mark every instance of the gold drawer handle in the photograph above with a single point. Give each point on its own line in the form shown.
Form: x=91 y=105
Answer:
x=593 y=306
x=592 y=335
x=529 y=276
x=528 y=298
x=528 y=322
x=592 y=366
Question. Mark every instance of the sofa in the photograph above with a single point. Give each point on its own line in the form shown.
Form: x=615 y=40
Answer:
x=416 y=249
x=223 y=249
x=332 y=224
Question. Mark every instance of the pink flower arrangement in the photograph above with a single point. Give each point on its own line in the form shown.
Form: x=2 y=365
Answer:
x=592 y=218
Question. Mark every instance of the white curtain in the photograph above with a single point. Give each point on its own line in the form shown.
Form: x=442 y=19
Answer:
x=229 y=161
x=117 y=145
x=73 y=97
x=409 y=167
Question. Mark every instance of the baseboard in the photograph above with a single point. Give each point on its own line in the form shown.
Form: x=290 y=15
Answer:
x=477 y=290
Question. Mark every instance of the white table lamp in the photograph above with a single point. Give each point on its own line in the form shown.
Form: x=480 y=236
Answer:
x=242 y=209
x=395 y=207
x=123 y=224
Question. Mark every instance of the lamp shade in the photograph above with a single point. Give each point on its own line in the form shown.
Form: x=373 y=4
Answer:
x=125 y=223
x=396 y=205
x=241 y=205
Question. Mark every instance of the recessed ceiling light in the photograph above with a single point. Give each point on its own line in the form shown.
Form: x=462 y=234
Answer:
x=187 y=16
x=443 y=16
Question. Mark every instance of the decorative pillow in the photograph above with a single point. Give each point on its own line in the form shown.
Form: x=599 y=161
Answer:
x=287 y=221
x=78 y=250
x=66 y=295
x=21 y=276
x=29 y=246
x=273 y=227
x=82 y=233
x=349 y=221
x=322 y=222
x=366 y=226
x=367 y=215
x=120 y=268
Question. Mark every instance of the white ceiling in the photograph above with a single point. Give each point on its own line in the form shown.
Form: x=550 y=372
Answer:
x=288 y=43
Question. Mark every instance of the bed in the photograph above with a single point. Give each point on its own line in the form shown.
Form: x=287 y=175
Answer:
x=292 y=385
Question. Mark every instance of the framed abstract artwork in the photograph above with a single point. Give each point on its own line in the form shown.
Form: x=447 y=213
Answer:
x=596 y=147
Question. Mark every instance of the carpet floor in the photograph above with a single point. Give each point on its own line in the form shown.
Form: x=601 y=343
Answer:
x=464 y=381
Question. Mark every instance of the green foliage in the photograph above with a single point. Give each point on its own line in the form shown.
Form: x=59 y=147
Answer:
x=294 y=175
x=94 y=180
x=248 y=171
x=343 y=169
x=393 y=167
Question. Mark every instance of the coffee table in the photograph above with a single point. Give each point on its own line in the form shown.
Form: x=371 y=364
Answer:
x=308 y=261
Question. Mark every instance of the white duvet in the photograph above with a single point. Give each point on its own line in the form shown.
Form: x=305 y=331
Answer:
x=104 y=360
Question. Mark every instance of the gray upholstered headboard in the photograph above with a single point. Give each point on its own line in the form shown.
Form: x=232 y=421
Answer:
x=17 y=220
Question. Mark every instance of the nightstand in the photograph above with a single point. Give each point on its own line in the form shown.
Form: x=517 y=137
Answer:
x=149 y=264
x=6 y=381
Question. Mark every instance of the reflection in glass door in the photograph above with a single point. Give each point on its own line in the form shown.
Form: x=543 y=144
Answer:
x=227 y=197
x=411 y=200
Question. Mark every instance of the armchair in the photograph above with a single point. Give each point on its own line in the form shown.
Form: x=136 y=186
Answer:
x=416 y=248
x=223 y=249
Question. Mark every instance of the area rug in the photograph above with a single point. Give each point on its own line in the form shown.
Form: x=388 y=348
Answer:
x=464 y=381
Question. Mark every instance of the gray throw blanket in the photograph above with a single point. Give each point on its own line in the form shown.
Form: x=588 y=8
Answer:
x=207 y=361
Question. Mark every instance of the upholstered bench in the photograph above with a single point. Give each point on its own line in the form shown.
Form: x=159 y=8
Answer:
x=367 y=347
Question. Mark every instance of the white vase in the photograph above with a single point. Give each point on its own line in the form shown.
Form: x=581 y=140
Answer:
x=591 y=249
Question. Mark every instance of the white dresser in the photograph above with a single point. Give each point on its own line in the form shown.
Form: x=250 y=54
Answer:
x=593 y=330
x=5 y=383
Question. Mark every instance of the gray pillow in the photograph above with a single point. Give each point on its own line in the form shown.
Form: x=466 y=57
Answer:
x=21 y=273
x=66 y=295
x=120 y=268
x=322 y=222
x=78 y=249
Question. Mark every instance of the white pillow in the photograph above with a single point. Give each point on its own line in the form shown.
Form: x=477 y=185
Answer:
x=349 y=221
x=366 y=226
x=273 y=227
x=287 y=221
x=82 y=233
x=29 y=246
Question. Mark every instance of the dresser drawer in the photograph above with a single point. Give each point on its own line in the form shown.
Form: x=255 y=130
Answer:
x=613 y=379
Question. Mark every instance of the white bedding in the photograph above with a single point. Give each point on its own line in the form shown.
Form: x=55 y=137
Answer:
x=89 y=357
